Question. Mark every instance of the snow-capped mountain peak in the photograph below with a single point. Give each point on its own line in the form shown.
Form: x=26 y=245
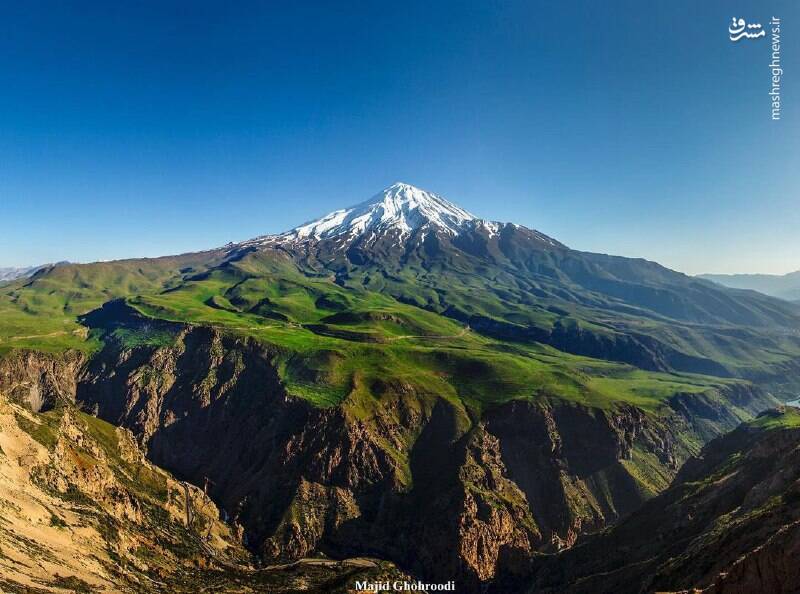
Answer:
x=401 y=208
x=397 y=214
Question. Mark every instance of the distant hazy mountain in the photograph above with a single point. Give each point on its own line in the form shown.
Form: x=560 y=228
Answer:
x=7 y=274
x=785 y=286
x=10 y=273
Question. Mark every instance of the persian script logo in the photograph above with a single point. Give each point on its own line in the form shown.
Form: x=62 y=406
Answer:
x=739 y=29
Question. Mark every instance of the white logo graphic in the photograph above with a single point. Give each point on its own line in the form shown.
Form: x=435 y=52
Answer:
x=739 y=29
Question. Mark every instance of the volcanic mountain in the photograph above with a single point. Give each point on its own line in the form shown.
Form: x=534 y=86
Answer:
x=400 y=380
x=393 y=224
x=517 y=283
x=405 y=226
x=400 y=211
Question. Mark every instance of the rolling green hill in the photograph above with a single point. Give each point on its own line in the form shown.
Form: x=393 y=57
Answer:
x=508 y=301
x=335 y=336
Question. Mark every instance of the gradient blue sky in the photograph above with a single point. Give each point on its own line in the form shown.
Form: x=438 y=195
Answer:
x=633 y=128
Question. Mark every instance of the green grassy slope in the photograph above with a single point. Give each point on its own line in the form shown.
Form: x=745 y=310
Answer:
x=42 y=312
x=338 y=339
x=598 y=306
x=335 y=341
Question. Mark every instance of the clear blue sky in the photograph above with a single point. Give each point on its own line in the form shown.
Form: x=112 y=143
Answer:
x=635 y=128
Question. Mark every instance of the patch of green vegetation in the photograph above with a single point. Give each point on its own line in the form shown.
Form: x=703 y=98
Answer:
x=131 y=338
x=139 y=478
x=345 y=339
x=43 y=429
x=30 y=329
x=108 y=528
x=41 y=312
x=788 y=417
x=9 y=586
x=104 y=433
x=147 y=482
x=649 y=472
x=357 y=349
x=75 y=495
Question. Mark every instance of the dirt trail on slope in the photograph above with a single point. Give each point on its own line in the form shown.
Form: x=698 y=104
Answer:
x=430 y=336
x=77 y=331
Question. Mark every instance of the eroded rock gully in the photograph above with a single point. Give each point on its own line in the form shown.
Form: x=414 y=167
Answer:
x=729 y=523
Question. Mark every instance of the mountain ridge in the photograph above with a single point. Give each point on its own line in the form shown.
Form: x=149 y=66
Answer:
x=507 y=282
x=360 y=237
x=781 y=286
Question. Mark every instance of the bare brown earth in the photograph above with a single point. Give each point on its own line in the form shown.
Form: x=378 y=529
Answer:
x=75 y=512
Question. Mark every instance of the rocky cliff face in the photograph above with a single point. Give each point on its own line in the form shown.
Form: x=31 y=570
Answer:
x=39 y=380
x=407 y=476
x=84 y=510
x=729 y=523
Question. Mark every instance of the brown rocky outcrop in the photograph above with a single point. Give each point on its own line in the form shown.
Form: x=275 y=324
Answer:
x=399 y=475
x=38 y=380
x=494 y=515
x=83 y=510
